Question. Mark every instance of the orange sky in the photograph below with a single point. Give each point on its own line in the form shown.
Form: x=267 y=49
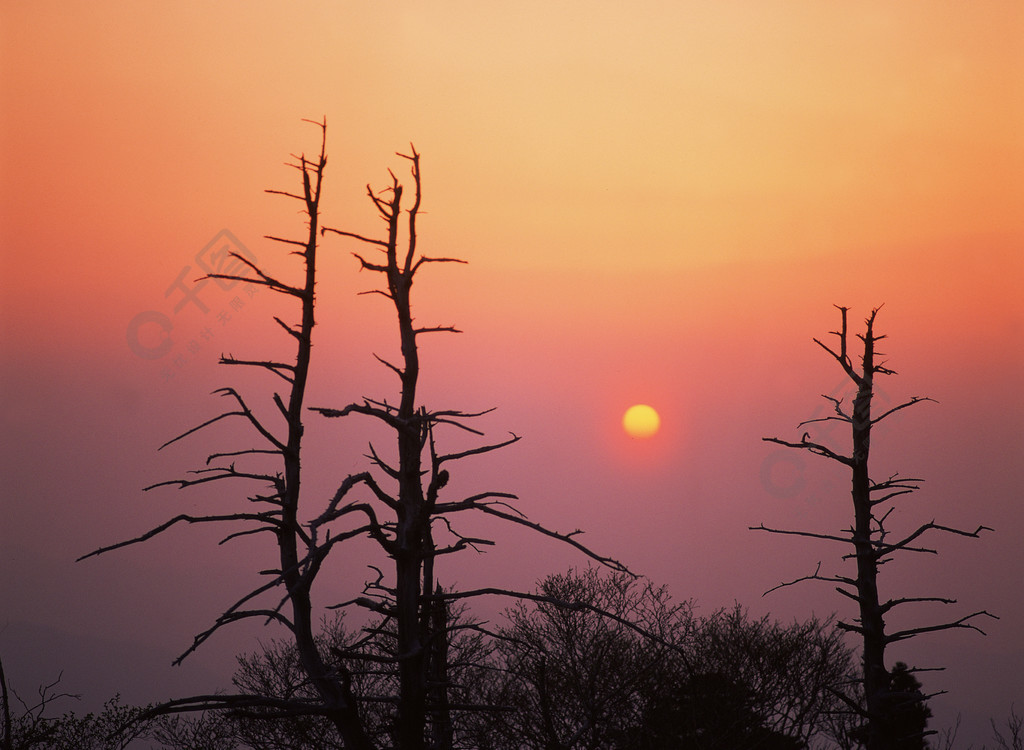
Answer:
x=660 y=202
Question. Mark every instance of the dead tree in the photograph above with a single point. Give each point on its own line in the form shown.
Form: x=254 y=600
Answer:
x=277 y=511
x=401 y=518
x=871 y=540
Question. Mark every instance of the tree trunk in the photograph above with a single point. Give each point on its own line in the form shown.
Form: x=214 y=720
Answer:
x=442 y=733
x=341 y=707
x=876 y=676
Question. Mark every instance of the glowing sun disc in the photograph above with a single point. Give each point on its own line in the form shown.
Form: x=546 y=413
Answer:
x=641 y=421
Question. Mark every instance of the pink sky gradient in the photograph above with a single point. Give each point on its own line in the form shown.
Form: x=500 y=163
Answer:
x=659 y=203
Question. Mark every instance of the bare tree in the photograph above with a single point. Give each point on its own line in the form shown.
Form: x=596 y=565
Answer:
x=794 y=676
x=872 y=541
x=629 y=668
x=411 y=631
x=584 y=676
x=29 y=726
x=277 y=511
x=1013 y=739
x=32 y=724
x=402 y=519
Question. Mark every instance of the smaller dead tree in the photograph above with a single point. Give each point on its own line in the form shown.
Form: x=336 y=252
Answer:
x=873 y=543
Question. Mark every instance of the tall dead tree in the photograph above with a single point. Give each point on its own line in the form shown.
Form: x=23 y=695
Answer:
x=414 y=602
x=870 y=539
x=276 y=512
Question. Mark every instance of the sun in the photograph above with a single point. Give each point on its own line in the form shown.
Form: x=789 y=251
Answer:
x=641 y=421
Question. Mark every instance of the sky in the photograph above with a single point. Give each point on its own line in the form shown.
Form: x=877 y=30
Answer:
x=659 y=202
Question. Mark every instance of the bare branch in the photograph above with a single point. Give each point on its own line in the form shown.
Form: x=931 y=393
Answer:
x=274 y=367
x=890 y=604
x=300 y=243
x=234 y=615
x=216 y=473
x=424 y=259
x=331 y=512
x=267 y=517
x=815 y=576
x=843 y=360
x=291 y=331
x=811 y=534
x=477 y=451
x=245 y=412
x=384 y=465
x=885 y=549
x=394 y=368
x=228 y=454
x=911 y=402
x=437 y=329
x=355 y=236
x=263 y=279
x=563 y=537
x=815 y=448
x=364 y=408
x=285 y=193
x=963 y=622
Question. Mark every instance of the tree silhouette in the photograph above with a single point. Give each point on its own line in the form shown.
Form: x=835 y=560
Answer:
x=277 y=511
x=403 y=522
x=629 y=668
x=906 y=711
x=398 y=507
x=870 y=537
x=32 y=727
